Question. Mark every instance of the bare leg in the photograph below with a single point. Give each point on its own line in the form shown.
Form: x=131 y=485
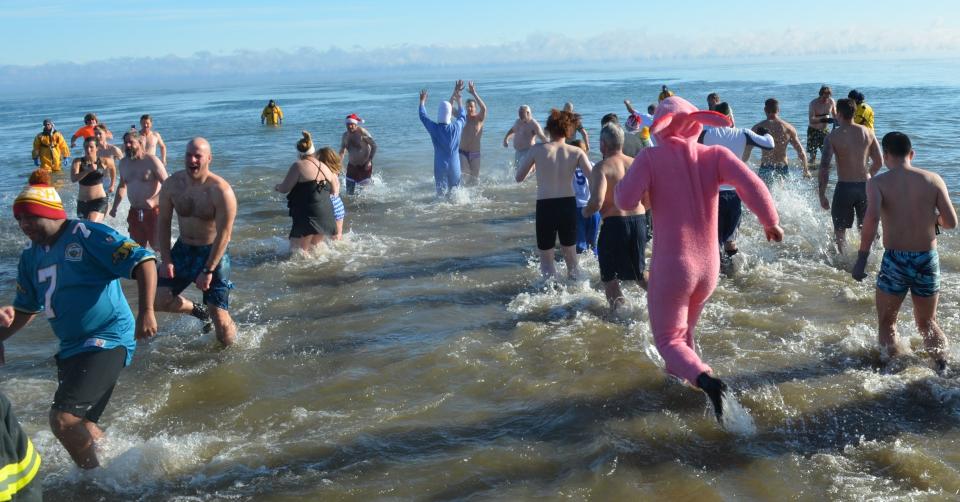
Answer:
x=841 y=237
x=224 y=325
x=925 y=314
x=570 y=257
x=75 y=436
x=339 y=236
x=547 y=268
x=95 y=216
x=888 y=307
x=166 y=301
x=301 y=244
x=614 y=295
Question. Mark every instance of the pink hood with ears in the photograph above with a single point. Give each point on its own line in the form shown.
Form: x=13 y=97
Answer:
x=676 y=117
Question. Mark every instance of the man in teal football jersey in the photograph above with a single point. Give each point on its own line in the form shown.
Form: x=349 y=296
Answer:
x=70 y=274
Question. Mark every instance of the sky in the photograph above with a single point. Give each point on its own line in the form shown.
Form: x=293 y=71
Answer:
x=177 y=38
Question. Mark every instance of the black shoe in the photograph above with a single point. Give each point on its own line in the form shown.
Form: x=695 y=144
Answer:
x=715 y=389
x=200 y=312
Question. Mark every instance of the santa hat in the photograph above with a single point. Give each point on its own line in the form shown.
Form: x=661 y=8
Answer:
x=633 y=123
x=354 y=119
x=39 y=200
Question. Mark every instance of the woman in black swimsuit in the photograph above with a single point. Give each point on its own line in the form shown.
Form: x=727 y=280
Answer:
x=308 y=186
x=88 y=171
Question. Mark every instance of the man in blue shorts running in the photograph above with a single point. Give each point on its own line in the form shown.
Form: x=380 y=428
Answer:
x=910 y=202
x=205 y=207
x=70 y=273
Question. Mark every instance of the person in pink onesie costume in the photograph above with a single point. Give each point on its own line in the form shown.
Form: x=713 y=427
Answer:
x=682 y=178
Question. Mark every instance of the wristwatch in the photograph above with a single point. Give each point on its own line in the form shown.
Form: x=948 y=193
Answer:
x=207 y=270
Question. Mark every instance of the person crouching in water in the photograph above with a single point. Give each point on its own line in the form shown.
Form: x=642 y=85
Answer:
x=555 y=163
x=308 y=185
x=329 y=158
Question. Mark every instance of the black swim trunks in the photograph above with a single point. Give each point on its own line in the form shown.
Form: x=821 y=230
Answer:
x=556 y=217
x=87 y=380
x=620 y=247
x=815 y=139
x=85 y=207
x=728 y=215
x=188 y=262
x=770 y=172
x=849 y=197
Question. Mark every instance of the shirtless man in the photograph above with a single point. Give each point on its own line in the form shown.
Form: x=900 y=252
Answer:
x=773 y=162
x=821 y=112
x=205 y=207
x=470 y=138
x=555 y=163
x=623 y=234
x=853 y=144
x=910 y=202
x=713 y=99
x=358 y=142
x=568 y=107
x=152 y=139
x=140 y=178
x=525 y=132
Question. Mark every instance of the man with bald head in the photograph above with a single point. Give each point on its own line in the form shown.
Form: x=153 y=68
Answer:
x=205 y=207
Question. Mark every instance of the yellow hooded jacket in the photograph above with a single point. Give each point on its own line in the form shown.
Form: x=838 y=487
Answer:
x=272 y=114
x=51 y=149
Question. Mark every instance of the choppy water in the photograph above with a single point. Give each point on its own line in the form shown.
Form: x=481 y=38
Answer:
x=422 y=358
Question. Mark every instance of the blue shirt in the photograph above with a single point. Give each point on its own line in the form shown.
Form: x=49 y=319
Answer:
x=446 y=139
x=75 y=284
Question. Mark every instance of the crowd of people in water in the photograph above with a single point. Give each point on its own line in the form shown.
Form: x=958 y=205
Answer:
x=684 y=165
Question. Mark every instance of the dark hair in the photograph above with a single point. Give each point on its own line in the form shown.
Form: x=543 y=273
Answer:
x=89 y=139
x=723 y=107
x=652 y=109
x=825 y=88
x=561 y=124
x=146 y=116
x=90 y=116
x=771 y=105
x=845 y=108
x=856 y=96
x=608 y=118
x=896 y=144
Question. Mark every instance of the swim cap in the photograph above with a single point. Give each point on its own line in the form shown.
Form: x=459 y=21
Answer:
x=444 y=112
x=354 y=119
x=39 y=199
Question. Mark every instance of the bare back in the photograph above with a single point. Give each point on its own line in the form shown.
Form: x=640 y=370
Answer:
x=909 y=198
x=196 y=205
x=783 y=134
x=555 y=164
x=611 y=170
x=142 y=178
x=852 y=145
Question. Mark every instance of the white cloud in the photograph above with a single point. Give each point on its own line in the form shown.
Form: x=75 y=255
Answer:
x=252 y=65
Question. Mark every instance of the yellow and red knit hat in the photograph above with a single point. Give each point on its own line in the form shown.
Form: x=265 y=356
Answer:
x=39 y=199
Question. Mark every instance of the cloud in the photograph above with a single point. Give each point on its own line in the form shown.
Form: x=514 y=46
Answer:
x=538 y=48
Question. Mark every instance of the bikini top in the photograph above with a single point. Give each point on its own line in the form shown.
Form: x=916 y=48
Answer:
x=95 y=178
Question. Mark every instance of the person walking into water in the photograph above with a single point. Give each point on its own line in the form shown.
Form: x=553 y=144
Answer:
x=50 y=150
x=271 y=115
x=683 y=181
x=358 y=143
x=525 y=132
x=554 y=164
x=470 y=139
x=853 y=145
x=911 y=203
x=445 y=136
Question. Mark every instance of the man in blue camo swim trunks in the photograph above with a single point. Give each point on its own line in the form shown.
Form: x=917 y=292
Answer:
x=911 y=203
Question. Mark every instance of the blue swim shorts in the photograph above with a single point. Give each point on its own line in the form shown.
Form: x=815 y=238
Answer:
x=918 y=271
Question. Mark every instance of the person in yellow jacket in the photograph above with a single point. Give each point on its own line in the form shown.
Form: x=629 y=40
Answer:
x=864 y=112
x=19 y=460
x=49 y=148
x=271 y=114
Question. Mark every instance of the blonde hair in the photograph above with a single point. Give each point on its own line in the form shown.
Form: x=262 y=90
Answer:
x=330 y=159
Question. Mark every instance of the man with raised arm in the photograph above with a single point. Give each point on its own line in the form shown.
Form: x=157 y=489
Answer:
x=205 y=207
x=853 y=145
x=910 y=202
x=470 y=139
